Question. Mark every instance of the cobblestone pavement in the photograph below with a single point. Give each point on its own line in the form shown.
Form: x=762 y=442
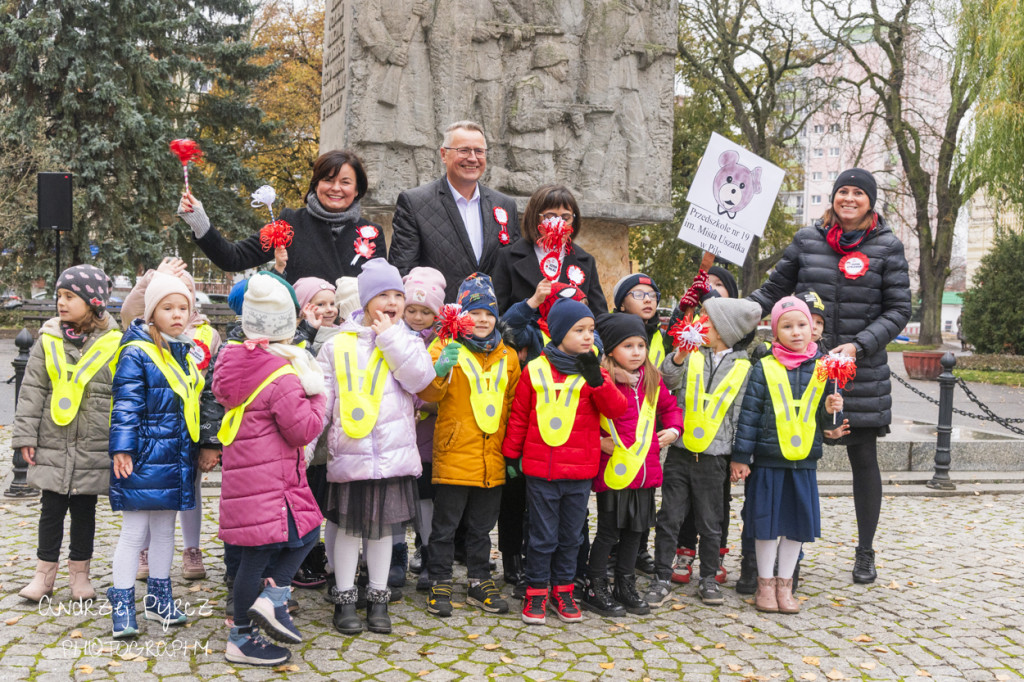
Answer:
x=947 y=605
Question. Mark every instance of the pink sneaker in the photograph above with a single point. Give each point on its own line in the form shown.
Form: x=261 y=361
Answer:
x=192 y=564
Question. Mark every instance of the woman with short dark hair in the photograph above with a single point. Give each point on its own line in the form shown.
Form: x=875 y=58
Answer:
x=326 y=229
x=856 y=264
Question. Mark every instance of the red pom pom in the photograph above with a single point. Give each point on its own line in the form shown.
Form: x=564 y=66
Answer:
x=688 y=335
x=187 y=150
x=452 y=322
x=275 y=234
x=555 y=235
x=365 y=248
x=838 y=368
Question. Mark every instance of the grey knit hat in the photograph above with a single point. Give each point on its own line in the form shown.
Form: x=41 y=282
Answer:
x=733 y=318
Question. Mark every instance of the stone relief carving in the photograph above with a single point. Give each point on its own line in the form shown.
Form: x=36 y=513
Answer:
x=574 y=91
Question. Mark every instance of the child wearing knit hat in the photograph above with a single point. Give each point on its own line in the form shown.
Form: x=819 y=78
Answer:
x=62 y=433
x=781 y=486
x=476 y=379
x=639 y=294
x=156 y=383
x=424 y=296
x=554 y=430
x=709 y=386
x=374 y=368
x=630 y=468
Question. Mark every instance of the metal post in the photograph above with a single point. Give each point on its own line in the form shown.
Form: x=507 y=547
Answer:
x=940 y=479
x=19 y=488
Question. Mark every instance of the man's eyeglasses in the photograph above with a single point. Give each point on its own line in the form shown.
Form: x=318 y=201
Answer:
x=644 y=295
x=567 y=218
x=466 y=152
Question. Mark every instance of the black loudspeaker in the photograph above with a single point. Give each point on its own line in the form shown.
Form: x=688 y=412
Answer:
x=55 y=201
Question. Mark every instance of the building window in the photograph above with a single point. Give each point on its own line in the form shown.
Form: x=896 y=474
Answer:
x=819 y=152
x=948 y=326
x=833 y=175
x=833 y=151
x=834 y=128
x=815 y=199
x=816 y=175
x=819 y=128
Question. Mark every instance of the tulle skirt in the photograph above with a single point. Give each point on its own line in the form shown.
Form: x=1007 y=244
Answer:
x=373 y=509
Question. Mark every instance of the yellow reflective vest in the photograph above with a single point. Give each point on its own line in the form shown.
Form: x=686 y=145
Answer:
x=188 y=387
x=487 y=389
x=360 y=391
x=556 y=403
x=625 y=462
x=69 y=381
x=233 y=418
x=795 y=421
x=705 y=412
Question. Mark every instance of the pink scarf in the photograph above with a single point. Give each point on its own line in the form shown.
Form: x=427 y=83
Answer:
x=790 y=359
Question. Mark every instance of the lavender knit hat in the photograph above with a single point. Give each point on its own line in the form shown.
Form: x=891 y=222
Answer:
x=377 y=277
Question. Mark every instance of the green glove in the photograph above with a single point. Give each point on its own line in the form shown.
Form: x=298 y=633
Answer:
x=449 y=358
x=512 y=469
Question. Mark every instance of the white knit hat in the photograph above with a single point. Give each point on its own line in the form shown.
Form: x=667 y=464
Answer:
x=268 y=309
x=346 y=296
x=160 y=287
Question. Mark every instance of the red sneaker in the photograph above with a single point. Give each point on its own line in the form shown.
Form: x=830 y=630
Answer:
x=722 y=574
x=534 y=605
x=682 y=567
x=564 y=604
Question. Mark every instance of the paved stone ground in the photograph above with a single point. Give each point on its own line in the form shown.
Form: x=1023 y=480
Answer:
x=948 y=605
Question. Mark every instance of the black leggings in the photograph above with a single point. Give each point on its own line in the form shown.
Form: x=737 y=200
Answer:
x=608 y=534
x=53 y=508
x=862 y=449
x=282 y=565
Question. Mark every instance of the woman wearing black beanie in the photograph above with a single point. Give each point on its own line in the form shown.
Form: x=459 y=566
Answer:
x=857 y=265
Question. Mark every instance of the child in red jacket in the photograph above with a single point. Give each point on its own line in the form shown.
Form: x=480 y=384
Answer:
x=630 y=468
x=554 y=427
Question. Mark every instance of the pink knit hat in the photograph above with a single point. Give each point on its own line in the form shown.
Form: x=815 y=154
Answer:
x=425 y=286
x=160 y=287
x=788 y=305
x=308 y=287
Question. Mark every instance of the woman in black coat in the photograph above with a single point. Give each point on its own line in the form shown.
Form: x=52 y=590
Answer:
x=517 y=269
x=856 y=265
x=326 y=229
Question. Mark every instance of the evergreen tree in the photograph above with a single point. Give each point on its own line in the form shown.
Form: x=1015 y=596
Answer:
x=107 y=85
x=993 y=318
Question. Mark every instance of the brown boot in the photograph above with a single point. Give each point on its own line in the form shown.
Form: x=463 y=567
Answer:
x=78 y=577
x=765 y=599
x=784 y=595
x=192 y=567
x=42 y=582
x=143 y=571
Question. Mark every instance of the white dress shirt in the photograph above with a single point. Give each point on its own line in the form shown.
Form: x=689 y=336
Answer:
x=469 y=209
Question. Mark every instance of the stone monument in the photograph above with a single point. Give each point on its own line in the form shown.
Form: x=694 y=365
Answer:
x=573 y=91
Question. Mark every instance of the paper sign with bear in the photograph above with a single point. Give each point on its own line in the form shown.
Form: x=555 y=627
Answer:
x=730 y=199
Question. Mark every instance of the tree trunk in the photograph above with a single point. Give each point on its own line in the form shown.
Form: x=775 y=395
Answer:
x=932 y=285
x=752 y=278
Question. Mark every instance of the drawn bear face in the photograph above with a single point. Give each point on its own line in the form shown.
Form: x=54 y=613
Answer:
x=734 y=185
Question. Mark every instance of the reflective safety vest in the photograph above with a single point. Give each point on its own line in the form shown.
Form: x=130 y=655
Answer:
x=626 y=462
x=69 y=380
x=233 y=418
x=360 y=391
x=795 y=421
x=487 y=389
x=705 y=412
x=188 y=387
x=657 y=349
x=556 y=403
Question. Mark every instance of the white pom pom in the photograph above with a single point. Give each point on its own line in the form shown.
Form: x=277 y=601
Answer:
x=264 y=196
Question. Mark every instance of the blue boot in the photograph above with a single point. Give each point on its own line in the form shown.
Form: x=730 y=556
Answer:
x=160 y=603
x=122 y=612
x=399 y=564
x=270 y=611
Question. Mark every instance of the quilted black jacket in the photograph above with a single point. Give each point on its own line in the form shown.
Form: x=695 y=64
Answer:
x=428 y=232
x=869 y=311
x=517 y=274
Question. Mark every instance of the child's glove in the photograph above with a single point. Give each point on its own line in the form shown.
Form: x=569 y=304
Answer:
x=589 y=366
x=699 y=287
x=512 y=469
x=449 y=358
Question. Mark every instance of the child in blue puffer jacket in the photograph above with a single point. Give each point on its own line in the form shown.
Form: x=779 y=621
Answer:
x=154 y=429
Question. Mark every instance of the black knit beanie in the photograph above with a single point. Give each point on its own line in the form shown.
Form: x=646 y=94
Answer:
x=856 y=177
x=614 y=328
x=727 y=279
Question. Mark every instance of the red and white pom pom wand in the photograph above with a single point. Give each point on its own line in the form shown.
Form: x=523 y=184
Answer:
x=451 y=323
x=556 y=240
x=688 y=334
x=276 y=234
x=264 y=196
x=186 y=150
x=839 y=369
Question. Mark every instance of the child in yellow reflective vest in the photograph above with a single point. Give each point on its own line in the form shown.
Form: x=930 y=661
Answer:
x=709 y=385
x=476 y=379
x=777 y=448
x=62 y=421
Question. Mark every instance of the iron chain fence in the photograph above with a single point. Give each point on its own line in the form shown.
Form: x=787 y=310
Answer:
x=989 y=415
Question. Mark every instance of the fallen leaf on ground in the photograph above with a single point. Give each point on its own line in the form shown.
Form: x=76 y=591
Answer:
x=732 y=615
x=113 y=664
x=287 y=669
x=141 y=659
x=491 y=647
x=195 y=588
x=893 y=585
x=12 y=621
x=747 y=635
x=423 y=672
x=923 y=673
x=473 y=636
x=835 y=675
x=697 y=647
x=812 y=660
x=87 y=669
x=661 y=635
x=423 y=652
x=1002 y=677
x=613 y=629
x=506 y=659
x=720 y=645
x=810 y=677
x=75 y=634
x=607 y=666
x=862 y=638
x=678 y=607
x=734 y=667
x=868 y=665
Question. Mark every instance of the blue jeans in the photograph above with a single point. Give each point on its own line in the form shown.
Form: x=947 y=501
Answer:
x=557 y=512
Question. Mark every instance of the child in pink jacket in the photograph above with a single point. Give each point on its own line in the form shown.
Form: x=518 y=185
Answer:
x=273 y=394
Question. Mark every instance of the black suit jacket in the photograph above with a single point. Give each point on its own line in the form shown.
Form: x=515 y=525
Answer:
x=517 y=274
x=428 y=232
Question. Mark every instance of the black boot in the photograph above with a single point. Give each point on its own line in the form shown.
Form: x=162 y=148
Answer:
x=747 y=584
x=399 y=564
x=864 y=566
x=512 y=566
x=599 y=600
x=377 y=618
x=645 y=562
x=625 y=593
x=346 y=619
